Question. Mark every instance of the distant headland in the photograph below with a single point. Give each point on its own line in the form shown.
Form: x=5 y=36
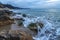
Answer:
x=10 y=6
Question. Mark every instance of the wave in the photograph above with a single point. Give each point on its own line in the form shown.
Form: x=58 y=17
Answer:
x=49 y=31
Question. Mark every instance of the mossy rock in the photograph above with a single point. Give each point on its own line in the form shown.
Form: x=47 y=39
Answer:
x=32 y=25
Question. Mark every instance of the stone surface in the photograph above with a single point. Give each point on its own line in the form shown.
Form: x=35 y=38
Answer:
x=23 y=35
x=33 y=26
x=15 y=35
x=5 y=17
x=7 y=22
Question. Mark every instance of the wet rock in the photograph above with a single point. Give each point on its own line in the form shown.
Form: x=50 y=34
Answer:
x=41 y=25
x=24 y=15
x=33 y=26
x=20 y=21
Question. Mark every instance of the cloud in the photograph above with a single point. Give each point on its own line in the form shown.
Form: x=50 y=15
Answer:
x=33 y=3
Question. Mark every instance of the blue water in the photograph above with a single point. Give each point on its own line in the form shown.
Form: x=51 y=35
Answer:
x=51 y=14
x=48 y=13
x=41 y=12
x=51 y=21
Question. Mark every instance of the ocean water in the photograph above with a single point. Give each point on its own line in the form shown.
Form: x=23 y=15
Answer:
x=40 y=12
x=48 y=13
x=49 y=17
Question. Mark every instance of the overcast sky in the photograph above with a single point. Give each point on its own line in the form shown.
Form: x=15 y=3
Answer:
x=34 y=3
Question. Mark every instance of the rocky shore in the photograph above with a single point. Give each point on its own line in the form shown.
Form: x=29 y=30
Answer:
x=26 y=26
x=7 y=22
x=8 y=6
x=15 y=35
x=5 y=17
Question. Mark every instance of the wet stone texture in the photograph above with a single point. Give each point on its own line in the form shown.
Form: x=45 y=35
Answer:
x=33 y=27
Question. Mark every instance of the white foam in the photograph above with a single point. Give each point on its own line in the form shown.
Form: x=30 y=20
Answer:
x=47 y=26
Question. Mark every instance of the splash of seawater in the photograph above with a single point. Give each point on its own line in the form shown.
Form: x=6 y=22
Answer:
x=48 y=32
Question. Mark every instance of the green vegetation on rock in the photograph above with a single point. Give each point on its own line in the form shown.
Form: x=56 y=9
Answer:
x=32 y=25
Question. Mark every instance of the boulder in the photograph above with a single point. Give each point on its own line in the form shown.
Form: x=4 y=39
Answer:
x=22 y=34
x=24 y=15
x=33 y=26
x=15 y=35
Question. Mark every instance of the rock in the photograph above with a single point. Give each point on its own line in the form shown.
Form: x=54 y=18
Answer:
x=7 y=22
x=33 y=26
x=20 y=21
x=4 y=17
x=6 y=36
x=23 y=35
x=41 y=25
x=15 y=35
x=24 y=15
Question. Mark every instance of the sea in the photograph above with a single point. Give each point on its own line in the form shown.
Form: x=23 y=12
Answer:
x=51 y=19
x=53 y=13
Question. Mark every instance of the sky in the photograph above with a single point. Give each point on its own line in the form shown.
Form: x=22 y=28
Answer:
x=33 y=3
